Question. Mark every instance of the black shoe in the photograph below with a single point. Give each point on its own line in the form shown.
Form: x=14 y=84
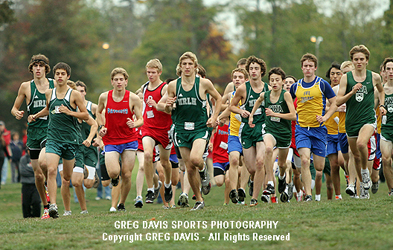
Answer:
x=269 y=190
x=157 y=190
x=233 y=196
x=206 y=189
x=205 y=181
x=149 y=197
x=138 y=202
x=96 y=181
x=115 y=182
x=290 y=191
x=284 y=197
x=250 y=187
x=168 y=194
x=308 y=198
x=281 y=184
x=241 y=194
x=121 y=207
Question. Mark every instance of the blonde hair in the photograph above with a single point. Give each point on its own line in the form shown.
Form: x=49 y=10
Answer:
x=116 y=71
x=359 y=49
x=187 y=55
x=346 y=64
x=71 y=84
x=240 y=70
x=154 y=63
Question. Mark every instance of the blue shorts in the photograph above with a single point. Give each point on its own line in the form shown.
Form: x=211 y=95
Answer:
x=343 y=140
x=378 y=153
x=234 y=144
x=333 y=145
x=121 y=147
x=173 y=158
x=220 y=168
x=312 y=138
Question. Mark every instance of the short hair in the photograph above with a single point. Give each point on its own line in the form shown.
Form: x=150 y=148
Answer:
x=359 y=49
x=201 y=71
x=242 y=61
x=346 y=64
x=71 y=84
x=42 y=60
x=243 y=71
x=334 y=65
x=119 y=70
x=187 y=55
x=254 y=59
x=387 y=59
x=310 y=57
x=290 y=76
x=62 y=65
x=277 y=71
x=79 y=83
x=154 y=63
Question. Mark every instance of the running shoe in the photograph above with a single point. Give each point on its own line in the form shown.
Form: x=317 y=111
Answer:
x=121 y=207
x=168 y=194
x=53 y=211
x=157 y=190
x=366 y=180
x=233 y=196
x=183 y=200
x=269 y=190
x=281 y=184
x=149 y=196
x=67 y=213
x=138 y=202
x=290 y=191
x=84 y=212
x=205 y=181
x=284 y=197
x=112 y=209
x=241 y=195
x=375 y=187
x=198 y=206
x=308 y=198
x=265 y=198
x=45 y=215
x=253 y=202
x=351 y=189
x=250 y=186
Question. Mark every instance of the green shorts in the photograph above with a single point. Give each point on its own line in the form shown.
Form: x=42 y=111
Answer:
x=387 y=135
x=187 y=139
x=282 y=140
x=352 y=130
x=64 y=150
x=326 y=169
x=250 y=136
x=90 y=156
x=35 y=136
x=79 y=156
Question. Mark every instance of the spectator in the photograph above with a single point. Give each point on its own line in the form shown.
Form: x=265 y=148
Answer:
x=5 y=141
x=16 y=146
x=31 y=202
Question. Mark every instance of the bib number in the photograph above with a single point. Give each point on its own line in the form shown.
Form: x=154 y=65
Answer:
x=189 y=126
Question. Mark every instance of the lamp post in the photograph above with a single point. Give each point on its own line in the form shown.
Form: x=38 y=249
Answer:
x=317 y=41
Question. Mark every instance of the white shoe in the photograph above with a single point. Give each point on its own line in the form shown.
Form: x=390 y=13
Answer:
x=108 y=198
x=112 y=209
x=66 y=213
x=84 y=212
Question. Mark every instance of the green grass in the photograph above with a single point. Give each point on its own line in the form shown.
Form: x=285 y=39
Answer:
x=346 y=224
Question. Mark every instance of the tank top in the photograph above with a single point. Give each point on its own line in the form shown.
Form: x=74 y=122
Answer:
x=151 y=117
x=234 y=123
x=86 y=127
x=332 y=125
x=275 y=124
x=190 y=114
x=116 y=114
x=310 y=103
x=387 y=120
x=360 y=106
x=251 y=98
x=62 y=128
x=37 y=103
x=220 y=144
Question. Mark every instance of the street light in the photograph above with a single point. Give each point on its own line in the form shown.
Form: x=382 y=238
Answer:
x=317 y=41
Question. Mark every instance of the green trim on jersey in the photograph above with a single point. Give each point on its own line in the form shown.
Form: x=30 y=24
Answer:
x=38 y=103
x=387 y=120
x=62 y=128
x=190 y=114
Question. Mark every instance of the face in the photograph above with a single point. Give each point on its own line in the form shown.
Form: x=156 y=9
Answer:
x=276 y=82
x=153 y=74
x=119 y=82
x=238 y=79
x=255 y=71
x=82 y=91
x=335 y=76
x=39 y=70
x=61 y=76
x=389 y=70
x=308 y=68
x=359 y=61
x=288 y=83
x=188 y=67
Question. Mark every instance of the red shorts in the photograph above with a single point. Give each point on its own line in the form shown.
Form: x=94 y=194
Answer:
x=159 y=135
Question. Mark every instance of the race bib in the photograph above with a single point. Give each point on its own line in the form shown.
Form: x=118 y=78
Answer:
x=150 y=114
x=258 y=111
x=224 y=145
x=275 y=119
x=189 y=126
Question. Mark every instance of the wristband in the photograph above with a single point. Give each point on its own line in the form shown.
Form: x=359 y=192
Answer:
x=383 y=106
x=100 y=127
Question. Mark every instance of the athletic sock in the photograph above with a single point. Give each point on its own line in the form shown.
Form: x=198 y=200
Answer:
x=168 y=185
x=271 y=183
x=46 y=206
x=317 y=197
x=150 y=189
x=281 y=177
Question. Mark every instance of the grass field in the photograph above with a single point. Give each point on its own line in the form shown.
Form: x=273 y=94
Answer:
x=346 y=224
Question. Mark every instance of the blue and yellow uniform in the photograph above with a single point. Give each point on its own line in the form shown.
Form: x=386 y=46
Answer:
x=311 y=102
x=234 y=128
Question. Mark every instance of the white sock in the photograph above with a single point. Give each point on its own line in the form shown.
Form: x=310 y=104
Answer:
x=168 y=185
x=271 y=183
x=364 y=171
x=281 y=177
x=317 y=197
x=151 y=189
